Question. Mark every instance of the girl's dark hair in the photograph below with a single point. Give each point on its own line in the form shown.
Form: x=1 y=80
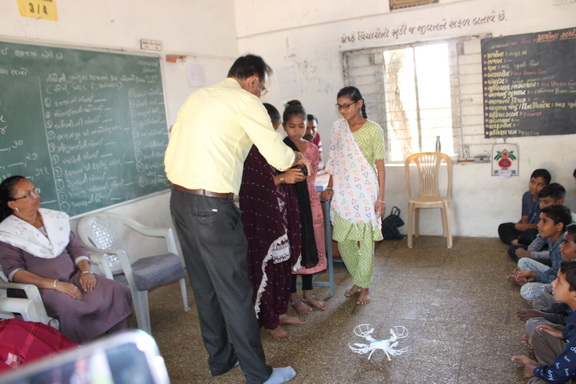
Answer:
x=354 y=94
x=568 y=268
x=6 y=190
x=272 y=111
x=293 y=107
x=558 y=214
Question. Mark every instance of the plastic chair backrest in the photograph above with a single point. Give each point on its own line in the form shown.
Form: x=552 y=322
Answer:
x=105 y=231
x=428 y=166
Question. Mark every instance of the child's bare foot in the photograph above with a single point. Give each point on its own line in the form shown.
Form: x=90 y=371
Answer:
x=352 y=291
x=309 y=298
x=292 y=320
x=299 y=305
x=279 y=334
x=364 y=298
x=527 y=340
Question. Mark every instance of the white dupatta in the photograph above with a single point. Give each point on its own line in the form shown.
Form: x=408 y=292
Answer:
x=355 y=183
x=20 y=234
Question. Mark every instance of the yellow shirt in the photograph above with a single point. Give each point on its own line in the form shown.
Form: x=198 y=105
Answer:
x=213 y=134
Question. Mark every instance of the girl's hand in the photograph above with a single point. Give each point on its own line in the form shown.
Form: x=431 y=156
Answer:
x=69 y=289
x=293 y=176
x=88 y=281
x=380 y=208
x=327 y=194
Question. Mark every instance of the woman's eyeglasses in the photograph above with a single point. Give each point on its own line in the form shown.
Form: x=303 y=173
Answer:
x=344 y=106
x=30 y=195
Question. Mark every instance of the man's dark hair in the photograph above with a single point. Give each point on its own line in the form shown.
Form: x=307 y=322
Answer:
x=553 y=190
x=543 y=173
x=558 y=214
x=312 y=118
x=249 y=65
x=568 y=268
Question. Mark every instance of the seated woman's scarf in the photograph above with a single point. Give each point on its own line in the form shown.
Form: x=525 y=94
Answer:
x=355 y=183
x=20 y=234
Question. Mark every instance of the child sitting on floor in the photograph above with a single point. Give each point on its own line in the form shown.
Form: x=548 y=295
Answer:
x=534 y=276
x=546 y=310
x=524 y=231
x=555 y=350
x=552 y=194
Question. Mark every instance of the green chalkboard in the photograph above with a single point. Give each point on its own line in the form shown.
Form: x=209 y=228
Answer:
x=86 y=127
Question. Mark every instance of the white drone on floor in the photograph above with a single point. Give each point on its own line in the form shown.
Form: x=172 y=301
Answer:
x=388 y=346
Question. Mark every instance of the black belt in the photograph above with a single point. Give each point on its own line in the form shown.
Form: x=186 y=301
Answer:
x=203 y=192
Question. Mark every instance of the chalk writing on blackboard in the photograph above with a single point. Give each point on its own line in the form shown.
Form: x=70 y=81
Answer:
x=529 y=84
x=87 y=127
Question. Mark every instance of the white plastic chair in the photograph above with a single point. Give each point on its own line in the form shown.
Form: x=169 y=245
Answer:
x=30 y=308
x=106 y=233
x=428 y=166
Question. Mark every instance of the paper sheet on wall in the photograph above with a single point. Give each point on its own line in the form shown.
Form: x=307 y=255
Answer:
x=288 y=81
x=196 y=75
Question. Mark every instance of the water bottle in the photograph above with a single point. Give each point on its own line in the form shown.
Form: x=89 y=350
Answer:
x=438 y=145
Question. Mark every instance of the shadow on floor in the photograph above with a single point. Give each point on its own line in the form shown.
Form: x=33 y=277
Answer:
x=456 y=304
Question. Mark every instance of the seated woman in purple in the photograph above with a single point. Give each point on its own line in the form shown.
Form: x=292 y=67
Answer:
x=37 y=247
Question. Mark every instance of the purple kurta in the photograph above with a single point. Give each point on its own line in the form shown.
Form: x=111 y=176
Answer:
x=269 y=213
x=80 y=320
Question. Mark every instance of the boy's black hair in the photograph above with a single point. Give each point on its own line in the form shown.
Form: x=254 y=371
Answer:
x=558 y=214
x=543 y=173
x=568 y=268
x=553 y=190
x=571 y=230
x=272 y=111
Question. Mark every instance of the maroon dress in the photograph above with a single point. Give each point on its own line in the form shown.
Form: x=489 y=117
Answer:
x=97 y=312
x=272 y=226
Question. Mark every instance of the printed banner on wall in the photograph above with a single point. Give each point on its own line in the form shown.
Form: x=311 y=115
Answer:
x=505 y=160
x=399 y=4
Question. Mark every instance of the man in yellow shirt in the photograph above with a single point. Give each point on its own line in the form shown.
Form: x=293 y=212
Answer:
x=213 y=133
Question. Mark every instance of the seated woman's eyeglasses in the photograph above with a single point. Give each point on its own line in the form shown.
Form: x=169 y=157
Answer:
x=344 y=106
x=30 y=195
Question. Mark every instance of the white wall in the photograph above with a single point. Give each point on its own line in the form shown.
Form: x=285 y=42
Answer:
x=309 y=34
x=202 y=31
x=312 y=35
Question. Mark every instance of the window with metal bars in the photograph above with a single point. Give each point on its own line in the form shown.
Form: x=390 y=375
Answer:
x=422 y=94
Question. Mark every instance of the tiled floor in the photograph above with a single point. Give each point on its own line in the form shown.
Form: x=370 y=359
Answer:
x=456 y=304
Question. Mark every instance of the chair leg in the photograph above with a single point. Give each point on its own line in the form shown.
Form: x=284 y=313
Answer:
x=417 y=222
x=410 y=218
x=140 y=300
x=184 y=294
x=448 y=226
x=444 y=229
